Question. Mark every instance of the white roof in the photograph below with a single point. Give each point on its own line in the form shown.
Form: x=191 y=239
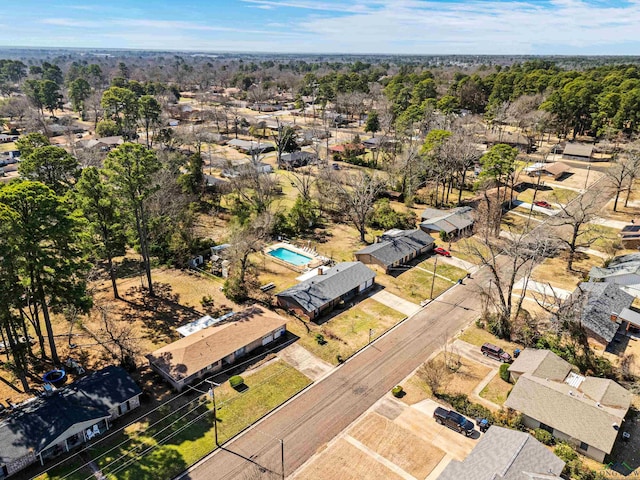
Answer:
x=201 y=323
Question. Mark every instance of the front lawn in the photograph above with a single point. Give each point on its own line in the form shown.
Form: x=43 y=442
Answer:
x=346 y=332
x=497 y=390
x=172 y=438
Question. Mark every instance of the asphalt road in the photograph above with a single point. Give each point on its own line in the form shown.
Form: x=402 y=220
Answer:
x=317 y=415
x=312 y=419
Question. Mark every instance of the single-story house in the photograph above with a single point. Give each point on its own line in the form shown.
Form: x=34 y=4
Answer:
x=578 y=151
x=217 y=184
x=248 y=168
x=346 y=149
x=251 y=147
x=376 y=142
x=396 y=247
x=539 y=363
x=513 y=139
x=57 y=129
x=455 y=222
x=623 y=270
x=554 y=170
x=630 y=236
x=586 y=412
x=4 y=138
x=265 y=107
x=597 y=305
x=212 y=349
x=319 y=294
x=49 y=426
x=298 y=159
x=505 y=454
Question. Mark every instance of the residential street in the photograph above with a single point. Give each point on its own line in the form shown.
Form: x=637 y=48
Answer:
x=313 y=418
x=324 y=410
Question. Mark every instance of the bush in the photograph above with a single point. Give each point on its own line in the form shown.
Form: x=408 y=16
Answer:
x=236 y=381
x=384 y=217
x=504 y=372
x=397 y=391
x=565 y=452
x=320 y=339
x=543 y=436
x=461 y=403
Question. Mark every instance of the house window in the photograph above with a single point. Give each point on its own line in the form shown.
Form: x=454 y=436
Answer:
x=546 y=427
x=584 y=447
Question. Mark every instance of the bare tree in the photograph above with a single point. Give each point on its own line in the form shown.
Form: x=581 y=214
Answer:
x=576 y=218
x=303 y=179
x=434 y=373
x=355 y=195
x=508 y=260
x=245 y=240
x=633 y=164
x=617 y=177
x=254 y=188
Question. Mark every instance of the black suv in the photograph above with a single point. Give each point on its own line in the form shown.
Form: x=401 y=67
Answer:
x=453 y=420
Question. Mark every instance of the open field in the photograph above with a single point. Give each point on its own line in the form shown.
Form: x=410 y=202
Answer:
x=346 y=331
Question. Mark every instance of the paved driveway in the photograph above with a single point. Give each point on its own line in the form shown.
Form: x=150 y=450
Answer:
x=398 y=304
x=305 y=361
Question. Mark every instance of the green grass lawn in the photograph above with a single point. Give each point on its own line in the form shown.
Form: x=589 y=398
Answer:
x=414 y=284
x=6 y=147
x=173 y=443
x=464 y=247
x=444 y=269
x=348 y=331
x=555 y=195
x=496 y=390
x=515 y=223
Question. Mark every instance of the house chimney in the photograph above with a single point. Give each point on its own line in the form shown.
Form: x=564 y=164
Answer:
x=320 y=270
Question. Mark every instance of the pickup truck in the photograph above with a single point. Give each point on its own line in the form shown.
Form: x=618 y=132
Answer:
x=453 y=420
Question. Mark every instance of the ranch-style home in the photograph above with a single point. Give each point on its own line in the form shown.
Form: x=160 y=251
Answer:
x=213 y=348
x=320 y=293
x=66 y=419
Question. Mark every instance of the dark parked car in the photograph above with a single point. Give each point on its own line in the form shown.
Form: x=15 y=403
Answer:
x=453 y=420
x=495 y=352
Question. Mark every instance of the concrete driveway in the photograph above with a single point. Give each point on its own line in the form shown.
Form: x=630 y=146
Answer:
x=527 y=206
x=304 y=361
x=398 y=304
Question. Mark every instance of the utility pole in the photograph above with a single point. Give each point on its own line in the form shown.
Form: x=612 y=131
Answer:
x=433 y=281
x=215 y=410
x=535 y=192
x=586 y=181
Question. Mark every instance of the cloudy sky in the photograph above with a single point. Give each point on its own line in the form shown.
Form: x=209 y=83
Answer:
x=330 y=26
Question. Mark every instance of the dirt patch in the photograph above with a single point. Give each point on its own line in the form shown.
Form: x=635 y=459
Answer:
x=345 y=462
x=413 y=454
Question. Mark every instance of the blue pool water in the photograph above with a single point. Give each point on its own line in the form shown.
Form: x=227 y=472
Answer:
x=290 y=256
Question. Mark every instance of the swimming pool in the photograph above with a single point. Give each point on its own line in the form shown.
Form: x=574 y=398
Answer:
x=289 y=256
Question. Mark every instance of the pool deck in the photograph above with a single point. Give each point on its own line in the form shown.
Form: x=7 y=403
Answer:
x=315 y=260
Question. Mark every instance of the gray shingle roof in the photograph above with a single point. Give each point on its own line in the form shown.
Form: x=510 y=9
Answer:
x=542 y=364
x=315 y=292
x=578 y=150
x=568 y=410
x=595 y=302
x=35 y=425
x=504 y=454
x=449 y=221
x=621 y=265
x=393 y=248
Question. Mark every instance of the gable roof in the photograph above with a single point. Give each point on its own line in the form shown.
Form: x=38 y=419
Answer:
x=449 y=221
x=315 y=292
x=556 y=168
x=396 y=245
x=595 y=303
x=568 y=410
x=620 y=265
x=504 y=454
x=35 y=425
x=542 y=364
x=578 y=150
x=191 y=354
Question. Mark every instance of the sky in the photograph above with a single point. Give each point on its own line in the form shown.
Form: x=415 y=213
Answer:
x=429 y=27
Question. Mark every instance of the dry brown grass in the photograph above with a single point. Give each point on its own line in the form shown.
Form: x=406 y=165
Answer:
x=554 y=271
x=478 y=336
x=496 y=390
x=409 y=452
x=345 y=462
x=462 y=381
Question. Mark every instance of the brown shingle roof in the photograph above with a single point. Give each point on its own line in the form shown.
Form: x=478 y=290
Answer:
x=567 y=410
x=542 y=364
x=191 y=354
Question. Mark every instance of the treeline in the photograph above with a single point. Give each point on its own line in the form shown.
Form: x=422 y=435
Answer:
x=59 y=222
